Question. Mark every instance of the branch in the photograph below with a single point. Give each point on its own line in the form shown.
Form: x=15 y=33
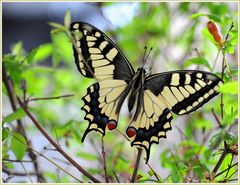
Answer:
x=58 y=148
x=12 y=160
x=104 y=162
x=9 y=88
x=50 y=98
x=224 y=154
x=216 y=118
x=18 y=173
x=134 y=175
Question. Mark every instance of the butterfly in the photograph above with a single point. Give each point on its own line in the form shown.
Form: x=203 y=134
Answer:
x=152 y=98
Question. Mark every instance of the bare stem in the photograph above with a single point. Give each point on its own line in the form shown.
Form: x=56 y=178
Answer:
x=224 y=154
x=58 y=148
x=50 y=98
x=134 y=175
x=104 y=162
x=216 y=118
x=9 y=87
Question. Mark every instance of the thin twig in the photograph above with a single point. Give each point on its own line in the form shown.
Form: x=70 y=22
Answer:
x=11 y=96
x=154 y=173
x=104 y=162
x=220 y=173
x=115 y=175
x=224 y=154
x=50 y=98
x=12 y=160
x=15 y=173
x=134 y=175
x=216 y=118
x=58 y=148
x=29 y=176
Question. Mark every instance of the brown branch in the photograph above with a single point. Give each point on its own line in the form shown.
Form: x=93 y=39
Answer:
x=50 y=98
x=20 y=128
x=58 y=148
x=224 y=154
x=12 y=160
x=134 y=175
x=220 y=173
x=216 y=118
x=18 y=173
x=115 y=175
x=104 y=162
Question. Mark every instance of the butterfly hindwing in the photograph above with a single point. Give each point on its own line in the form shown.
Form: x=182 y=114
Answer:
x=97 y=56
x=152 y=123
x=184 y=91
x=102 y=105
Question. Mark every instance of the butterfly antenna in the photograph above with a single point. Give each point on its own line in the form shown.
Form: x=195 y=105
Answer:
x=145 y=51
x=145 y=59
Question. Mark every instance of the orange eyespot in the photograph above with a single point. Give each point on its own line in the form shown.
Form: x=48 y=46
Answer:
x=131 y=132
x=112 y=124
x=214 y=30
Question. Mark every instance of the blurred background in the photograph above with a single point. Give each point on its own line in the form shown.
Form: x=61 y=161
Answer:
x=177 y=33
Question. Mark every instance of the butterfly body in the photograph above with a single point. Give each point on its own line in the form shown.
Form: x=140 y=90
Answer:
x=152 y=97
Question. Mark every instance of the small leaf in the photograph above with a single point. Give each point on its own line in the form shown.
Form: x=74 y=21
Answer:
x=197 y=61
x=229 y=87
x=18 y=114
x=56 y=25
x=5 y=133
x=67 y=18
x=18 y=145
x=40 y=53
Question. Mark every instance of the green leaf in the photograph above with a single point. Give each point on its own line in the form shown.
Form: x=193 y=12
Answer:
x=18 y=114
x=56 y=25
x=197 y=61
x=229 y=88
x=67 y=18
x=17 y=49
x=40 y=53
x=5 y=133
x=87 y=156
x=18 y=145
x=210 y=16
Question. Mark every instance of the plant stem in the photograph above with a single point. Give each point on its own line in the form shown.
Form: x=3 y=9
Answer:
x=20 y=128
x=104 y=162
x=58 y=148
x=50 y=98
x=216 y=118
x=134 y=175
x=224 y=154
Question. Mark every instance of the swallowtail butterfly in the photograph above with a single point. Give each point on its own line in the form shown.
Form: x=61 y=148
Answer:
x=155 y=97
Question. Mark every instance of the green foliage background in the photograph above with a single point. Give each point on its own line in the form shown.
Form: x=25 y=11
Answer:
x=192 y=159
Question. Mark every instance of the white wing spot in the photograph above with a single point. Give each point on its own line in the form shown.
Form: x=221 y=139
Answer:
x=94 y=50
x=112 y=54
x=90 y=44
x=175 y=79
x=187 y=79
x=199 y=75
x=76 y=26
x=97 y=34
x=103 y=45
x=90 y=38
x=206 y=95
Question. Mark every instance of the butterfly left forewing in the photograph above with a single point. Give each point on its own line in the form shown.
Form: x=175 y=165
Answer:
x=97 y=56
